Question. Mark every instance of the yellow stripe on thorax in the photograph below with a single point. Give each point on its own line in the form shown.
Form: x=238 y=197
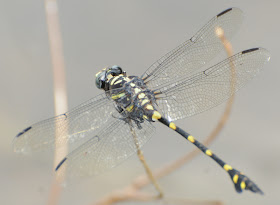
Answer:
x=141 y=95
x=116 y=96
x=116 y=78
x=144 y=102
x=137 y=90
x=130 y=108
x=149 y=107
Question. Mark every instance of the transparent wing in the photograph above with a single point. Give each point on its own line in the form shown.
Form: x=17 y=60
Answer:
x=211 y=87
x=109 y=147
x=74 y=127
x=194 y=53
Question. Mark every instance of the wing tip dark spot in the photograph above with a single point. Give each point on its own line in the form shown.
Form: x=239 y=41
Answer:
x=24 y=131
x=60 y=163
x=223 y=12
x=250 y=50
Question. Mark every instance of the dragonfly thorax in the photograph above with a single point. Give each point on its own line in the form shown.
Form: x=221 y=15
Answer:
x=132 y=97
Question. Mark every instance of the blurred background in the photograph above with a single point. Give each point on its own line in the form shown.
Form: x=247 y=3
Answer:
x=133 y=34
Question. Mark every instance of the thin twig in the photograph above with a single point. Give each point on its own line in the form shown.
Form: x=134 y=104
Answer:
x=191 y=202
x=143 y=161
x=59 y=87
x=131 y=192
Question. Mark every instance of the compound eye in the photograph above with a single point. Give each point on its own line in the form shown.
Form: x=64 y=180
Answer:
x=100 y=80
x=116 y=70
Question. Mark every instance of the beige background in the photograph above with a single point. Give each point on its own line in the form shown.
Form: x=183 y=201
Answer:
x=133 y=34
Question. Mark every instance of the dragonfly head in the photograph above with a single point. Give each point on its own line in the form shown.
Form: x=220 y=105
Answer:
x=103 y=76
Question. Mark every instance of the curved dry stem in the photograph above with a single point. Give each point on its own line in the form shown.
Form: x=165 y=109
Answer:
x=191 y=202
x=142 y=181
x=126 y=194
x=144 y=163
x=59 y=87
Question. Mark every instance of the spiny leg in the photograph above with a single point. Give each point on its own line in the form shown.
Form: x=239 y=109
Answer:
x=143 y=161
x=240 y=180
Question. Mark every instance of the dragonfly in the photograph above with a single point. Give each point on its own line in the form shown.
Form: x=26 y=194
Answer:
x=176 y=86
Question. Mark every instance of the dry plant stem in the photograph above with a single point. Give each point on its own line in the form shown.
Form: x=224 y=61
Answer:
x=127 y=194
x=191 y=202
x=131 y=192
x=60 y=96
x=143 y=161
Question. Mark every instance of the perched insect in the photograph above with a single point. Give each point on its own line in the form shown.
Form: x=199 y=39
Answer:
x=174 y=87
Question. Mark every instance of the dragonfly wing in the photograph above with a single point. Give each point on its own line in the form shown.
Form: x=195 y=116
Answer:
x=109 y=147
x=73 y=127
x=195 y=52
x=211 y=87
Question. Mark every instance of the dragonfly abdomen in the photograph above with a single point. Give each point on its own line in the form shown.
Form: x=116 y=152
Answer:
x=241 y=182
